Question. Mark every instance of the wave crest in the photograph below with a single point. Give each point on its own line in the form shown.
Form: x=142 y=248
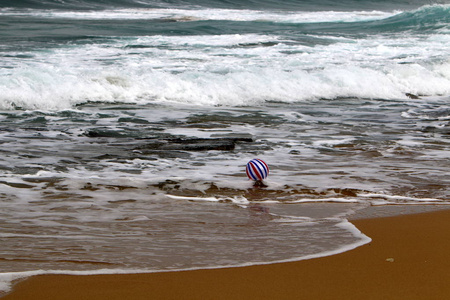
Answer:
x=55 y=91
x=429 y=17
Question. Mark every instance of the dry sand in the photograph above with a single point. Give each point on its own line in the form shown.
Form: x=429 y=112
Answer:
x=409 y=258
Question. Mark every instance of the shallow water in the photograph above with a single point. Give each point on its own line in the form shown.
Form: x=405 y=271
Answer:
x=87 y=186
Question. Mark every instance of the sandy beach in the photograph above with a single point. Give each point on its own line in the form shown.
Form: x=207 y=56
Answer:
x=408 y=258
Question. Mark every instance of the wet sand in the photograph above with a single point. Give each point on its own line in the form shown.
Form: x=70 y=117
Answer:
x=408 y=258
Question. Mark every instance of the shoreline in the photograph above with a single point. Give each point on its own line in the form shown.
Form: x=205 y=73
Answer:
x=407 y=259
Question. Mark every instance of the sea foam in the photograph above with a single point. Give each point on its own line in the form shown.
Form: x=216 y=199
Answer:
x=57 y=89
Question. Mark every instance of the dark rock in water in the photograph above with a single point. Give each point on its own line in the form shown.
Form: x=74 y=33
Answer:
x=153 y=145
x=17 y=185
x=194 y=144
x=346 y=192
x=412 y=96
x=259 y=184
x=168 y=145
x=106 y=156
x=236 y=137
x=199 y=144
x=103 y=133
x=441 y=130
x=133 y=120
x=166 y=153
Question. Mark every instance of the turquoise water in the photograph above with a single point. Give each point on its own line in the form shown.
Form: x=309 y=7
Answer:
x=126 y=126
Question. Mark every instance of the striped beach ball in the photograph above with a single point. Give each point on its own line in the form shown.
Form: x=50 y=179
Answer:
x=257 y=169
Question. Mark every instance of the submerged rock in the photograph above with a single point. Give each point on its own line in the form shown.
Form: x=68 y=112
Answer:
x=199 y=144
x=165 y=145
x=194 y=144
x=99 y=133
x=412 y=96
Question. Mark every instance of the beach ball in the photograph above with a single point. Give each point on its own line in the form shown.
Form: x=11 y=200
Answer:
x=257 y=169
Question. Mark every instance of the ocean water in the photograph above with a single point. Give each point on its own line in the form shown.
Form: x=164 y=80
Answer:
x=125 y=128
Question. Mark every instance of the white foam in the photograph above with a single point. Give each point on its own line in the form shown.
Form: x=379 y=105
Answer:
x=295 y=220
x=237 y=199
x=186 y=15
x=326 y=199
x=210 y=199
x=243 y=88
x=6 y=279
x=386 y=199
x=334 y=142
